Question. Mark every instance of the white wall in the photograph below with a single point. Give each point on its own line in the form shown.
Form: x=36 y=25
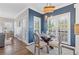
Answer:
x=21 y=32
x=77 y=22
x=77 y=13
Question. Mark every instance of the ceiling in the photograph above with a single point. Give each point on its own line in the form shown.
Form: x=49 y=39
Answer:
x=10 y=10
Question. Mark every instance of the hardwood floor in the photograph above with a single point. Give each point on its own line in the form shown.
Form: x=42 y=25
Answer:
x=15 y=48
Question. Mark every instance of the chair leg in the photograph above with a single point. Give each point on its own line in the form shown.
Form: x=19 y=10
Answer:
x=34 y=50
x=38 y=51
x=47 y=49
x=74 y=52
x=12 y=40
x=61 y=50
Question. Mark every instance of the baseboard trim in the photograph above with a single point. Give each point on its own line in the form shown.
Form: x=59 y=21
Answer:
x=25 y=42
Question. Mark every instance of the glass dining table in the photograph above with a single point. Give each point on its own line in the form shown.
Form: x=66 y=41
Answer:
x=47 y=39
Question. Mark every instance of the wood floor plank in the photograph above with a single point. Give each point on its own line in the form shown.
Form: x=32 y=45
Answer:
x=15 y=48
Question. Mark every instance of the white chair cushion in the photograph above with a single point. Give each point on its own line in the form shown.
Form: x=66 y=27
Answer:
x=42 y=44
x=53 y=43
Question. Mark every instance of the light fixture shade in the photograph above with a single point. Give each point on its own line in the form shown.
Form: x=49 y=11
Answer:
x=76 y=29
x=48 y=9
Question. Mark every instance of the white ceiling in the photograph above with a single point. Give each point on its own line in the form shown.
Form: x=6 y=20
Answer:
x=10 y=10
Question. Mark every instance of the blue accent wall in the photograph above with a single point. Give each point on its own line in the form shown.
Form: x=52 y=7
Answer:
x=33 y=13
x=43 y=25
x=71 y=9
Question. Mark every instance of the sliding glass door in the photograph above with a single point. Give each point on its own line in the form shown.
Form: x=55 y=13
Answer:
x=59 y=24
x=64 y=27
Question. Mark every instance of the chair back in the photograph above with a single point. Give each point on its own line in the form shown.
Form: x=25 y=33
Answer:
x=36 y=38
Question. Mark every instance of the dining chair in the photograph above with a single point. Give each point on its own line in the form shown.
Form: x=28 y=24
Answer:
x=55 y=44
x=38 y=43
x=68 y=47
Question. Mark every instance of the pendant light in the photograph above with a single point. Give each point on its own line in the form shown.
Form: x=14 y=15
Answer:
x=48 y=8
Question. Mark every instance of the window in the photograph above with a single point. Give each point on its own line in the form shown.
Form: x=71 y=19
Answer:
x=37 y=24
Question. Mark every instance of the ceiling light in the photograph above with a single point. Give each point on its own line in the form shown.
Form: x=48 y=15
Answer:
x=48 y=8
